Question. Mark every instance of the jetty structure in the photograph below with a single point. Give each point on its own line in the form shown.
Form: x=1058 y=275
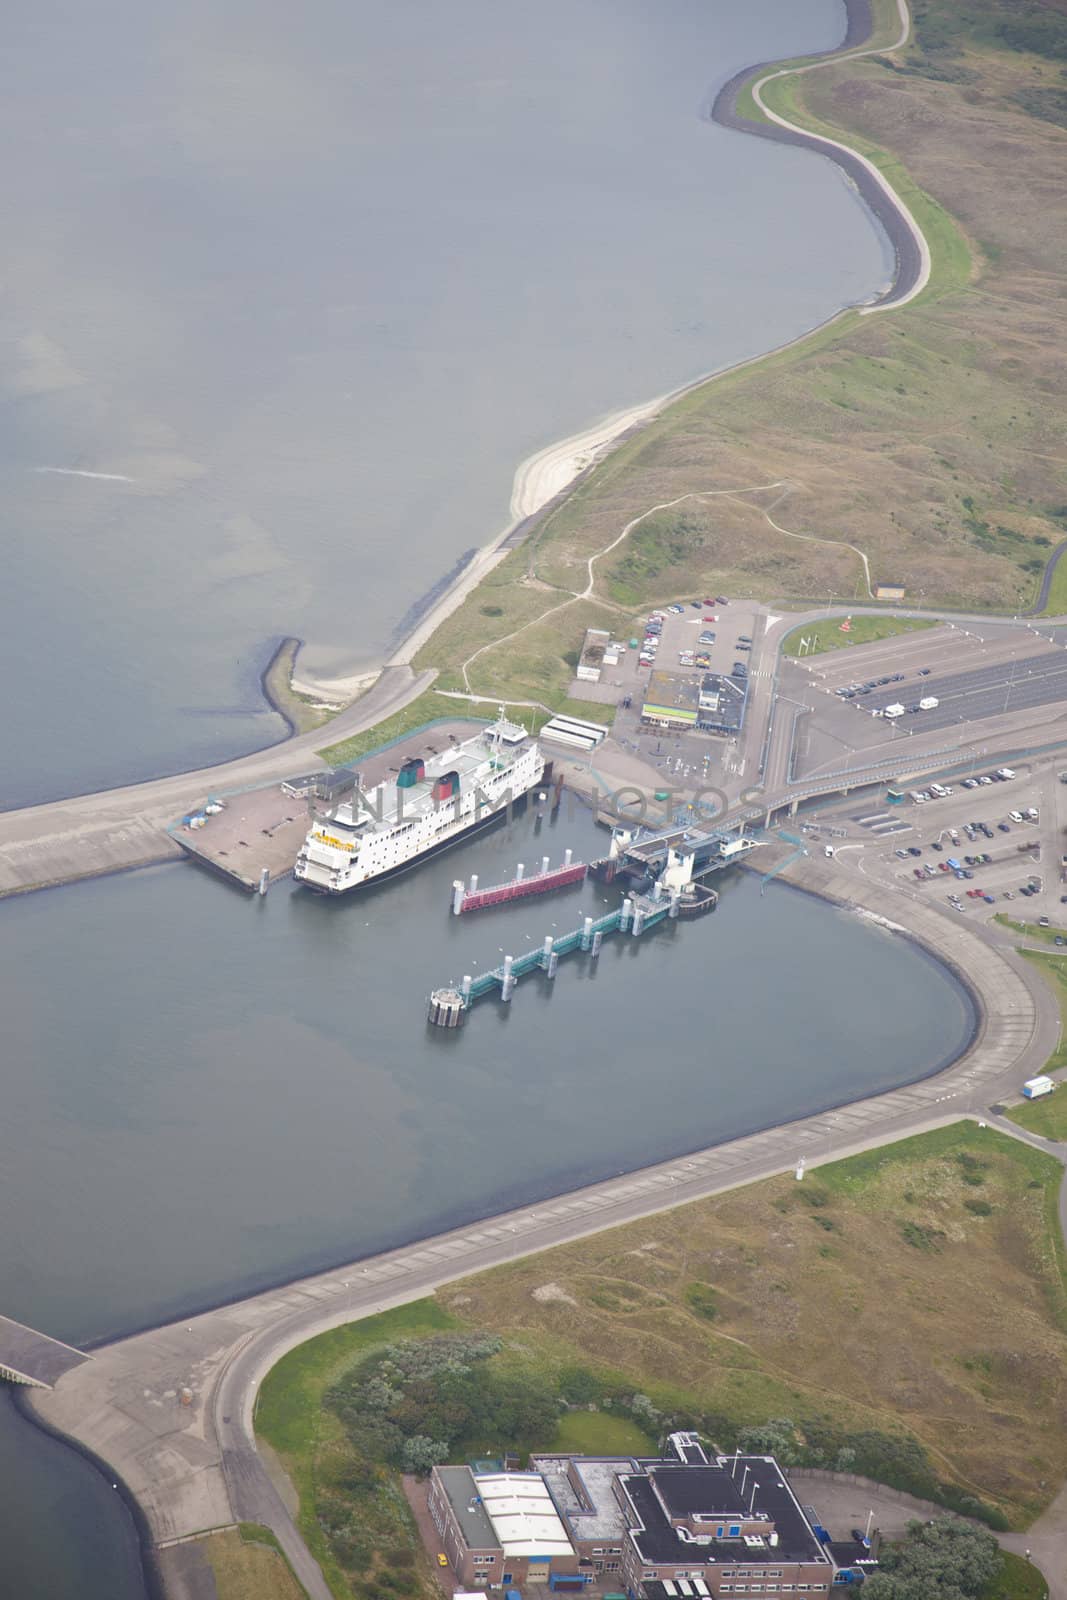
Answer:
x=469 y=897
x=633 y=916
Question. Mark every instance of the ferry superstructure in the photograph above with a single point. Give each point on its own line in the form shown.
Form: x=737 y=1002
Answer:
x=432 y=803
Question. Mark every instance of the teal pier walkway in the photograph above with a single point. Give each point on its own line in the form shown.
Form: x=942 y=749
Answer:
x=634 y=916
x=800 y=850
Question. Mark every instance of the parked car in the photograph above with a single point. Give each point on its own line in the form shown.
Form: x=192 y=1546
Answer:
x=1003 y=826
x=913 y=850
x=924 y=672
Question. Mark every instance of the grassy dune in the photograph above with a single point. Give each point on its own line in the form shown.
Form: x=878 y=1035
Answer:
x=939 y=1253
x=930 y=437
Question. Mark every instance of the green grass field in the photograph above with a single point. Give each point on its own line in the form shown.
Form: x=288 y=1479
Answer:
x=1016 y=1580
x=247 y=1564
x=864 y=630
x=1056 y=605
x=597 y=1433
x=1031 y=930
x=1047 y=1117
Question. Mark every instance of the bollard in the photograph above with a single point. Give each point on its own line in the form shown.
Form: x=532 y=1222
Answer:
x=474 y=883
x=519 y=870
x=676 y=897
x=457 y=896
x=568 y=856
x=544 y=865
x=553 y=963
x=548 y=947
x=587 y=933
x=639 y=921
x=264 y=880
x=598 y=940
x=626 y=914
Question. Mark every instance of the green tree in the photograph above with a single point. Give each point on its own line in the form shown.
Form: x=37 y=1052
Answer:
x=421 y=1453
x=777 y=1437
x=946 y=1559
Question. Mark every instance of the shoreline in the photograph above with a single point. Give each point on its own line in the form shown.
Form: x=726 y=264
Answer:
x=1014 y=1022
x=504 y=1204
x=551 y=473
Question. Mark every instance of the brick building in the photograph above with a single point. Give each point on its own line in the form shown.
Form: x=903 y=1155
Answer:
x=499 y=1528
x=684 y=1527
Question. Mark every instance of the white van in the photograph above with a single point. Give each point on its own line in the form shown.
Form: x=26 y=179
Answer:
x=1005 y=772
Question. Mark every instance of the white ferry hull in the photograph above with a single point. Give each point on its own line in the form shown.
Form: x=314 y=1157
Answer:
x=432 y=805
x=484 y=822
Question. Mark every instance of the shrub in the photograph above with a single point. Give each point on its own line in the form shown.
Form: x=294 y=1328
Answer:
x=701 y=1298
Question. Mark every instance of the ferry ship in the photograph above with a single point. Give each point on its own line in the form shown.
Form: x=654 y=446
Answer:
x=432 y=804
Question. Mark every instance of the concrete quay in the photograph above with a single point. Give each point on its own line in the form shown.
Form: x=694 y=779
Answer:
x=171 y=1410
x=89 y=835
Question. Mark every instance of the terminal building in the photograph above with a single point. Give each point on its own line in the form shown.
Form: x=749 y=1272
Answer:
x=683 y=1526
x=712 y=703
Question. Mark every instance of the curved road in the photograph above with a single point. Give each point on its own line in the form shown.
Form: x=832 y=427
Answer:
x=1017 y=1032
x=912 y=268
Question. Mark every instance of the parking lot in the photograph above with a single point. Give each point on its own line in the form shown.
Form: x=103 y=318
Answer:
x=688 y=755
x=972 y=677
x=911 y=845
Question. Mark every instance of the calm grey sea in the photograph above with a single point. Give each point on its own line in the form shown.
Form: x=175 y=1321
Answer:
x=288 y=294
x=316 y=279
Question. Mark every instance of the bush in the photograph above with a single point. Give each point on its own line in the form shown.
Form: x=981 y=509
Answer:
x=700 y=1297
x=945 y=1557
x=777 y=1437
x=580 y=1387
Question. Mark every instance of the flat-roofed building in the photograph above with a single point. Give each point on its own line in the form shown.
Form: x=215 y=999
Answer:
x=591 y=660
x=499 y=1528
x=732 y=1524
x=583 y=1488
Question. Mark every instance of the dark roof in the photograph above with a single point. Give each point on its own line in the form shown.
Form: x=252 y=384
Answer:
x=709 y=1490
x=687 y=1446
x=686 y=1490
x=850 y=1553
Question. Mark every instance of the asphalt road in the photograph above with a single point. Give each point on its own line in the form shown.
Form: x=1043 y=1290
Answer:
x=982 y=692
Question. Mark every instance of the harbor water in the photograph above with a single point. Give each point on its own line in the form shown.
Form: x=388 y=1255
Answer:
x=226 y=1091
